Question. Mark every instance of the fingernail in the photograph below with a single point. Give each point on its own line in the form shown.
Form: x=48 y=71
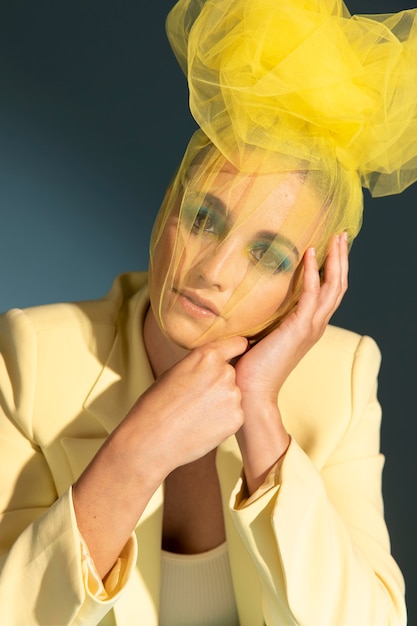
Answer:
x=313 y=251
x=345 y=236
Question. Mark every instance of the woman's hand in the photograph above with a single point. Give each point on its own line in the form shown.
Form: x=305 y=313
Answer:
x=189 y=411
x=261 y=372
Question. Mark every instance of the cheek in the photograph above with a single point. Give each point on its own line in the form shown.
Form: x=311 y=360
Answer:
x=259 y=306
x=163 y=253
x=184 y=256
x=268 y=301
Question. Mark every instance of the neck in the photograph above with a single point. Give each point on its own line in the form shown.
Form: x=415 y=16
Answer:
x=162 y=352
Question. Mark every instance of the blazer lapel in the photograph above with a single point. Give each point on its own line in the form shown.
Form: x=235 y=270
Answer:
x=126 y=374
x=245 y=578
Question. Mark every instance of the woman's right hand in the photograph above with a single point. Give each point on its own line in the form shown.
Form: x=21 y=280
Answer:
x=187 y=412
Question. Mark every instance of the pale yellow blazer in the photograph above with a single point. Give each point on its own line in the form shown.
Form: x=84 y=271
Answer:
x=313 y=550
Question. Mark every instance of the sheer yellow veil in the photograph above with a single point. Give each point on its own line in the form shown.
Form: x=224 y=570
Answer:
x=296 y=86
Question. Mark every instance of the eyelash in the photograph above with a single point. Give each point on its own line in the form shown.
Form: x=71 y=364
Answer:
x=205 y=221
x=263 y=255
x=271 y=259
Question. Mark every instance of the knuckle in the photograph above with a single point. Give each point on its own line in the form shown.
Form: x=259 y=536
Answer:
x=336 y=290
x=205 y=351
x=315 y=288
x=207 y=356
x=229 y=373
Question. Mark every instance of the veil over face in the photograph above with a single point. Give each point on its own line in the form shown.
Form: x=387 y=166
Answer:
x=228 y=243
x=299 y=105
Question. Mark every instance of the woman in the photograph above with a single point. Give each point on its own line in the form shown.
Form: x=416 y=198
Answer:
x=277 y=505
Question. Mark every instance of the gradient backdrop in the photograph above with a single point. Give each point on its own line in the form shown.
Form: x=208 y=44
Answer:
x=93 y=120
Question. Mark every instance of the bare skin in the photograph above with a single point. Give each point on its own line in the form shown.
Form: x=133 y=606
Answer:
x=198 y=401
x=193 y=517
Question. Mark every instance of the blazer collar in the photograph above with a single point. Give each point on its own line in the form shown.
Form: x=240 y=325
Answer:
x=127 y=372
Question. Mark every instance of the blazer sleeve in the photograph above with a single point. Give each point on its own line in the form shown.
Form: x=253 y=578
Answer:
x=318 y=537
x=41 y=573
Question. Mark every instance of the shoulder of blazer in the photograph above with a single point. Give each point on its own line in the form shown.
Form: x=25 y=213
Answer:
x=342 y=339
x=81 y=332
x=97 y=311
x=339 y=349
x=329 y=390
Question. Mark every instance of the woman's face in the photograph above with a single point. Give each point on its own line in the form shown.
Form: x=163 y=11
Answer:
x=225 y=260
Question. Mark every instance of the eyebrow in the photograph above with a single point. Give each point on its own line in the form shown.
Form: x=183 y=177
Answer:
x=272 y=237
x=215 y=202
x=267 y=235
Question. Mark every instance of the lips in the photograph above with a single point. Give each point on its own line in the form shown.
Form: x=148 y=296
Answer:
x=205 y=306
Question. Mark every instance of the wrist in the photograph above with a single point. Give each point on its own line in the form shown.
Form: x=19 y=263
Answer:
x=137 y=457
x=263 y=441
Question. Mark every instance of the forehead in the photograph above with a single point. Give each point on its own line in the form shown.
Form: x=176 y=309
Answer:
x=273 y=196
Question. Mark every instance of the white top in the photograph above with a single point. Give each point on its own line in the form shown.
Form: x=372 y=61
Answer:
x=197 y=590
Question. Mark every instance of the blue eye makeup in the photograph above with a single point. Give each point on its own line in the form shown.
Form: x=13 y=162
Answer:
x=205 y=215
x=272 y=258
x=204 y=220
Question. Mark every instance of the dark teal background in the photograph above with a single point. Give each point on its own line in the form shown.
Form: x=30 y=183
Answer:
x=93 y=121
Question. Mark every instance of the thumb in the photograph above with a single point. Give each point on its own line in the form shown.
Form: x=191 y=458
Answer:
x=231 y=347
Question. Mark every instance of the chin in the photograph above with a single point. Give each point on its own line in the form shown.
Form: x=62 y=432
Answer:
x=188 y=335
x=190 y=341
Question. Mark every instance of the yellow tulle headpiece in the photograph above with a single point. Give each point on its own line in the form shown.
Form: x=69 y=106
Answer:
x=299 y=106
x=305 y=72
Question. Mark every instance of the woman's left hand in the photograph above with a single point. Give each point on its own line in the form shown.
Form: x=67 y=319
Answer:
x=261 y=372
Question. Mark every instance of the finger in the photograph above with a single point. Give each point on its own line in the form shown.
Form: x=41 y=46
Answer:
x=344 y=260
x=311 y=272
x=310 y=294
x=231 y=347
x=332 y=268
x=334 y=282
x=343 y=249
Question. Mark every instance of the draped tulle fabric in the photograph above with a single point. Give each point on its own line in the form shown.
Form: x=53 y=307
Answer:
x=299 y=106
x=303 y=76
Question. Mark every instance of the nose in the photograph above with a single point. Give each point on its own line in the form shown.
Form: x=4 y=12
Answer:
x=220 y=266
